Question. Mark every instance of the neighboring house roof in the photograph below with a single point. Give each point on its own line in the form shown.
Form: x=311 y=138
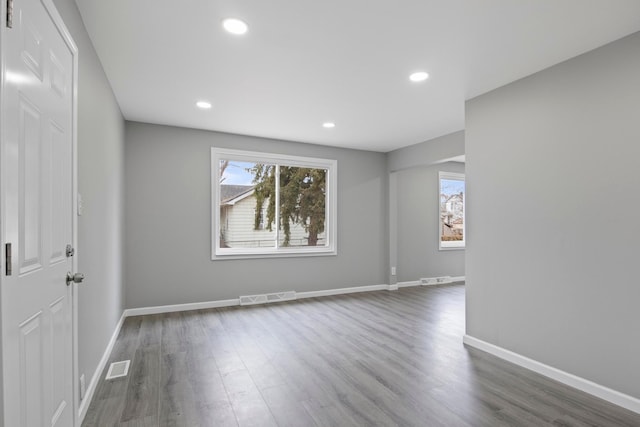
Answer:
x=451 y=197
x=230 y=194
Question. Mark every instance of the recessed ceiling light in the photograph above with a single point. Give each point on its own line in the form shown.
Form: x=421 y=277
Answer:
x=328 y=125
x=203 y=105
x=235 y=26
x=419 y=76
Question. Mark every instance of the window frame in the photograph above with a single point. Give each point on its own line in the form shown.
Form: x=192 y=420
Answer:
x=331 y=212
x=460 y=244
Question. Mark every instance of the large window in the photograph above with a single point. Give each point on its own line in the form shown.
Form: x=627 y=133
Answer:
x=272 y=205
x=452 y=196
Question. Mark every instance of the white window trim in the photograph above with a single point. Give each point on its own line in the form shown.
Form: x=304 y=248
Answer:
x=331 y=224
x=455 y=245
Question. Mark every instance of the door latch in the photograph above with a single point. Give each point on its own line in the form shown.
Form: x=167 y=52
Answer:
x=7 y=259
x=9 y=13
x=74 y=278
x=70 y=251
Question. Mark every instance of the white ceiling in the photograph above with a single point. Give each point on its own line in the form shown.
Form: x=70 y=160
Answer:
x=304 y=62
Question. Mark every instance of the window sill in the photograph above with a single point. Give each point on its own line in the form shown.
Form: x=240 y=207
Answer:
x=451 y=248
x=273 y=254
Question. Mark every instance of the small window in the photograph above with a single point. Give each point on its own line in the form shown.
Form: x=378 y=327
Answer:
x=452 y=211
x=272 y=205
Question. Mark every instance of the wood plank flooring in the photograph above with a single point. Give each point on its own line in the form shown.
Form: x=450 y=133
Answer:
x=370 y=359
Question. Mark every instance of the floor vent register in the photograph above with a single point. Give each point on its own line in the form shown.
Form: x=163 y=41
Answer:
x=118 y=369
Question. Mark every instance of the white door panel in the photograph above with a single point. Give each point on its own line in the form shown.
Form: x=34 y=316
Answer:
x=37 y=217
x=29 y=146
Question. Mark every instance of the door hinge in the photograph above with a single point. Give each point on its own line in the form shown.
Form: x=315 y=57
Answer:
x=7 y=259
x=9 y=13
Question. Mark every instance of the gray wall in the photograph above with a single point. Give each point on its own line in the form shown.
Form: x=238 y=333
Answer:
x=427 y=153
x=100 y=181
x=413 y=203
x=553 y=201
x=168 y=221
x=418 y=225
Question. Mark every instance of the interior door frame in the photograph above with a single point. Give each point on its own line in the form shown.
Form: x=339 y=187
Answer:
x=57 y=20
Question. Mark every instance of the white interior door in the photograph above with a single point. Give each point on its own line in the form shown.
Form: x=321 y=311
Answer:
x=38 y=96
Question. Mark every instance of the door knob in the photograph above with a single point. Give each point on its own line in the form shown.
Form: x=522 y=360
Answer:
x=74 y=278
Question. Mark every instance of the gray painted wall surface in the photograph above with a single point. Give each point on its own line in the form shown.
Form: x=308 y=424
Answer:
x=100 y=181
x=552 y=179
x=418 y=225
x=168 y=221
x=392 y=225
x=412 y=164
x=426 y=153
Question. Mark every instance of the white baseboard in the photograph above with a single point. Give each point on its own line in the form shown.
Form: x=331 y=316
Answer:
x=408 y=284
x=328 y=292
x=233 y=302
x=95 y=378
x=454 y=279
x=299 y=295
x=180 y=307
x=628 y=402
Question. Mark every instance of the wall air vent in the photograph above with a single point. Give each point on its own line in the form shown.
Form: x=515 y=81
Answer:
x=435 y=280
x=267 y=298
x=118 y=369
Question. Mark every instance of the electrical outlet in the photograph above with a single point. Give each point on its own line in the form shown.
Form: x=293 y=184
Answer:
x=83 y=389
x=80 y=205
x=393 y=271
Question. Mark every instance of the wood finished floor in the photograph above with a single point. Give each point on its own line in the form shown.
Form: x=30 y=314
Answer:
x=370 y=359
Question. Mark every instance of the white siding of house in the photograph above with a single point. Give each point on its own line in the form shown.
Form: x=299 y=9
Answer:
x=237 y=225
